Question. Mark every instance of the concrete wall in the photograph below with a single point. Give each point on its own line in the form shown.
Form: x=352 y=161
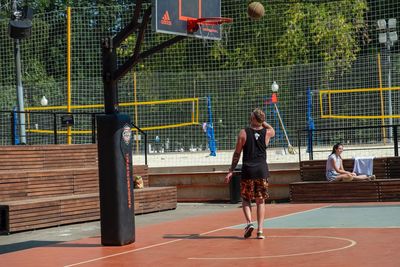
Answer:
x=206 y=183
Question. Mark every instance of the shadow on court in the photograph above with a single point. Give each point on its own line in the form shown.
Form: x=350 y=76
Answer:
x=25 y=245
x=199 y=236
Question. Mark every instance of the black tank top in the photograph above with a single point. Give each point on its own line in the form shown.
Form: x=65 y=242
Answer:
x=255 y=155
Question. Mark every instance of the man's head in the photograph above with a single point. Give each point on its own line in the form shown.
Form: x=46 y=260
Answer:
x=258 y=115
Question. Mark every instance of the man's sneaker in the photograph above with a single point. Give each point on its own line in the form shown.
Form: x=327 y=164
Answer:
x=248 y=230
x=260 y=235
x=372 y=177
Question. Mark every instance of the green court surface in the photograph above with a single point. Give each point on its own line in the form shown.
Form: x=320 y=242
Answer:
x=339 y=217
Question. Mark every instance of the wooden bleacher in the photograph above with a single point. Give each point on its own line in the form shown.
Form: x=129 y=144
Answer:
x=314 y=187
x=43 y=186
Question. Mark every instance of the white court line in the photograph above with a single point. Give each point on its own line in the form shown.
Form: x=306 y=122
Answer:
x=287 y=215
x=352 y=243
x=173 y=241
x=139 y=249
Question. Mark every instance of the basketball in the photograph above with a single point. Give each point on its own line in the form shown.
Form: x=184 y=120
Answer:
x=255 y=10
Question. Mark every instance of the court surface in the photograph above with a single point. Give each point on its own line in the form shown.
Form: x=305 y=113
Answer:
x=363 y=234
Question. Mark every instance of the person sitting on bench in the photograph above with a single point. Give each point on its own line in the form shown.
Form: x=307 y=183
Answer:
x=335 y=170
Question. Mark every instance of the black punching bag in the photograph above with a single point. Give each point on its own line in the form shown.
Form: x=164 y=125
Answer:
x=116 y=182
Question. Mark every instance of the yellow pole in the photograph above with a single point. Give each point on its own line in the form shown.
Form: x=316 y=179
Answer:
x=69 y=137
x=381 y=96
x=136 y=110
x=329 y=104
x=197 y=111
x=320 y=104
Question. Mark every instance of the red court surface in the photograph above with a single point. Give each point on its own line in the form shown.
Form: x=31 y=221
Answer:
x=209 y=240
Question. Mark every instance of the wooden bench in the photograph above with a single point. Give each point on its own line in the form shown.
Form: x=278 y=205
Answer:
x=315 y=188
x=42 y=186
x=154 y=198
x=314 y=170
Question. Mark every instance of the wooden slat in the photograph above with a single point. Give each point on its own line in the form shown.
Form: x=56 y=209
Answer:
x=42 y=186
x=155 y=199
x=334 y=191
x=389 y=190
x=53 y=211
x=42 y=183
x=48 y=156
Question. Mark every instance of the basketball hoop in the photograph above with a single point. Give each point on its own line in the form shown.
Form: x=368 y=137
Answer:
x=210 y=28
x=193 y=25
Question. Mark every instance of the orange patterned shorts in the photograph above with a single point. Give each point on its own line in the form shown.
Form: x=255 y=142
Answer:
x=251 y=189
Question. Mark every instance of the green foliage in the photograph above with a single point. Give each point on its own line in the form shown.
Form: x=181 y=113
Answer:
x=292 y=46
x=38 y=83
x=329 y=31
x=6 y=55
x=236 y=72
x=8 y=96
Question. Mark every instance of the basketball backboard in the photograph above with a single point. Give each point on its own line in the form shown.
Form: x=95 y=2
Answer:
x=171 y=16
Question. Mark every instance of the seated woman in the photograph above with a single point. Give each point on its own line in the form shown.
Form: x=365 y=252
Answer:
x=335 y=170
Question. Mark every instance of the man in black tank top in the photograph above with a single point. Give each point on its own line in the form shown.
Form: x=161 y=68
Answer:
x=253 y=142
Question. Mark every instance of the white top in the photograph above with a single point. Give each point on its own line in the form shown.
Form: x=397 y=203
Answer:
x=329 y=163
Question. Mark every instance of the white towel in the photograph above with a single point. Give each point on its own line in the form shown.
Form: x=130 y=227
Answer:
x=363 y=165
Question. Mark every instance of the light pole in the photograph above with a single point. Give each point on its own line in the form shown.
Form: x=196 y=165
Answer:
x=20 y=28
x=388 y=36
x=274 y=102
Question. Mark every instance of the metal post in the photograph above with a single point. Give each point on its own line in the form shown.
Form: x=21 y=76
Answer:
x=145 y=148
x=93 y=128
x=311 y=147
x=13 y=135
x=299 y=144
x=395 y=140
x=387 y=36
x=210 y=130
x=20 y=91
x=110 y=83
x=55 y=128
x=390 y=110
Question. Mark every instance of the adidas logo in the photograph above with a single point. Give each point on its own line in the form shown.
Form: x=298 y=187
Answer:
x=165 y=20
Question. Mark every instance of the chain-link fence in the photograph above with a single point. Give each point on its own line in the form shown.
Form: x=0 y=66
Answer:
x=316 y=45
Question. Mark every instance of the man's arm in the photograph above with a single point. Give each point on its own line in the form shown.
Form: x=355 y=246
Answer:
x=270 y=131
x=236 y=154
x=238 y=150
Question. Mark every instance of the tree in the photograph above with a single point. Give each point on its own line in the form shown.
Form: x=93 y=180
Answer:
x=326 y=32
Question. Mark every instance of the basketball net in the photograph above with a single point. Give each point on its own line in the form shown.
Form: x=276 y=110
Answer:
x=208 y=29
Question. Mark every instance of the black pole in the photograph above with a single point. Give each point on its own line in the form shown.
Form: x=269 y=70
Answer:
x=109 y=61
x=310 y=142
x=55 y=128
x=93 y=128
x=114 y=137
x=299 y=144
x=145 y=148
x=117 y=209
x=395 y=140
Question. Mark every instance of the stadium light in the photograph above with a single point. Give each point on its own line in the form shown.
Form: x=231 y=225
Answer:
x=387 y=31
x=387 y=35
